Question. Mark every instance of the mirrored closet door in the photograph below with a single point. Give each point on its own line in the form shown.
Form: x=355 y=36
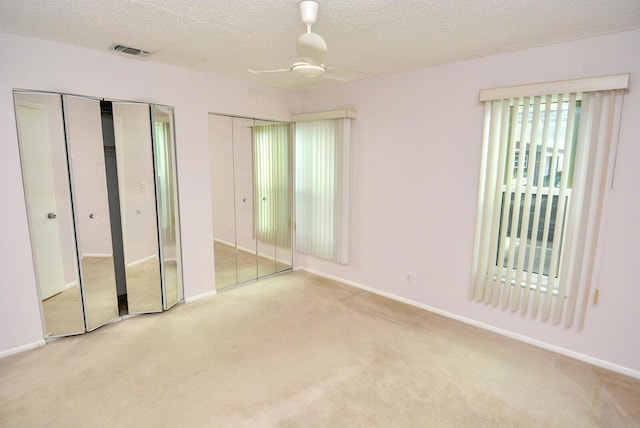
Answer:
x=87 y=161
x=136 y=186
x=45 y=177
x=167 y=200
x=102 y=175
x=251 y=186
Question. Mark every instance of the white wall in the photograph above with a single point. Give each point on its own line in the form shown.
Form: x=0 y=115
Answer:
x=415 y=164
x=34 y=64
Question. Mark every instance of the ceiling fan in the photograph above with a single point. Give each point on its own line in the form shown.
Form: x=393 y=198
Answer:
x=311 y=50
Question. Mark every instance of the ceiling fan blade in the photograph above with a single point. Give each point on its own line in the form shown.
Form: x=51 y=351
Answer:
x=342 y=75
x=282 y=70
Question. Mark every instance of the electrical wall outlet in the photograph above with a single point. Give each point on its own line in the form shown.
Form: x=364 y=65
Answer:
x=408 y=277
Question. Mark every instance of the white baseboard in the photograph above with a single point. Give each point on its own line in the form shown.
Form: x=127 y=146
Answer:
x=23 y=348
x=97 y=255
x=200 y=296
x=143 y=260
x=537 y=343
x=222 y=241
x=71 y=284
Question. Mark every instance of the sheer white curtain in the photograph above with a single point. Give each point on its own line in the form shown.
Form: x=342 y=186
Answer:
x=322 y=188
x=545 y=162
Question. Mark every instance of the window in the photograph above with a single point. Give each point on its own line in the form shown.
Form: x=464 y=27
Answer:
x=544 y=167
x=544 y=131
x=322 y=188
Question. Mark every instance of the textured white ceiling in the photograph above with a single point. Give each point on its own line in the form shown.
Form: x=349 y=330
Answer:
x=375 y=37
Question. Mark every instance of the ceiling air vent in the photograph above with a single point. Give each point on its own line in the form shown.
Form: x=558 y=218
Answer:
x=129 y=50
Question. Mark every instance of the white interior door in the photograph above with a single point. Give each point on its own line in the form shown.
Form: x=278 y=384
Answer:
x=33 y=131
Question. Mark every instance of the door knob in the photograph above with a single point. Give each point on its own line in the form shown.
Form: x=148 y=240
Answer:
x=92 y=216
x=51 y=215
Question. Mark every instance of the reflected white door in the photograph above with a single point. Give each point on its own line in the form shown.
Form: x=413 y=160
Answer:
x=33 y=132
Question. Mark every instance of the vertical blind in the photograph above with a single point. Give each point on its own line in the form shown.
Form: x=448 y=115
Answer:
x=322 y=188
x=271 y=181
x=544 y=168
x=165 y=184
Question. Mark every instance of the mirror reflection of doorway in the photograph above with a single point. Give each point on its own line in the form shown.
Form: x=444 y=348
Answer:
x=252 y=200
x=45 y=176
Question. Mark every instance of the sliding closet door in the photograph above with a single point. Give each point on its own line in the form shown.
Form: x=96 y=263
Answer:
x=252 y=198
x=233 y=200
x=45 y=175
x=88 y=157
x=136 y=183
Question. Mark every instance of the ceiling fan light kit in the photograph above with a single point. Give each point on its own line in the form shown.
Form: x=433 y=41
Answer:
x=308 y=70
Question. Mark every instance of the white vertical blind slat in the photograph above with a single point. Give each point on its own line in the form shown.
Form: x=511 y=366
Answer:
x=503 y=251
x=607 y=107
x=542 y=168
x=479 y=274
x=529 y=242
x=486 y=188
x=500 y=140
x=569 y=252
x=563 y=193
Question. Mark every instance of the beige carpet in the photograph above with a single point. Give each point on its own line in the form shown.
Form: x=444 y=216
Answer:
x=300 y=351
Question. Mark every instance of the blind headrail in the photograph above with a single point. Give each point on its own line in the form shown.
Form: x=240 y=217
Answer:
x=603 y=83
x=324 y=115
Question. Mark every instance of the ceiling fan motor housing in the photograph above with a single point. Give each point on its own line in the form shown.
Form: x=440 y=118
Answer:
x=311 y=48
